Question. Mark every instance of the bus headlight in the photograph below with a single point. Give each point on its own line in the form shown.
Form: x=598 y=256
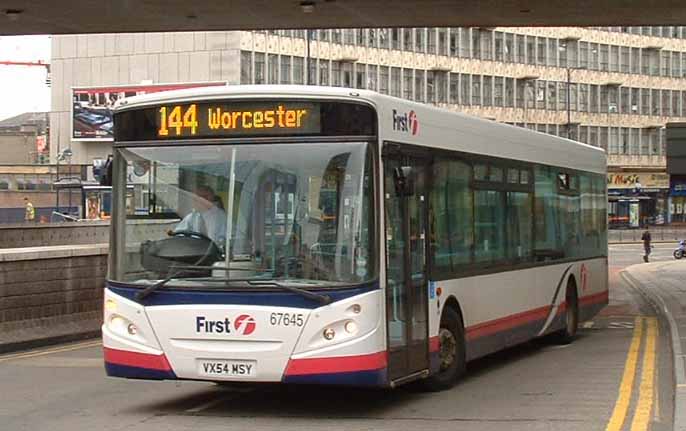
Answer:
x=329 y=333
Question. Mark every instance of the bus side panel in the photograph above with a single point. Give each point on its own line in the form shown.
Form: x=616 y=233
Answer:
x=508 y=308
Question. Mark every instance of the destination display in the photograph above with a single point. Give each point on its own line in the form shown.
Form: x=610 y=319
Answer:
x=232 y=119
x=210 y=119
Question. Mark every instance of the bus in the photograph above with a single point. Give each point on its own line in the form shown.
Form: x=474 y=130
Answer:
x=316 y=235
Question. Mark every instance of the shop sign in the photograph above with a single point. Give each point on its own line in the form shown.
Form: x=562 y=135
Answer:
x=678 y=187
x=628 y=180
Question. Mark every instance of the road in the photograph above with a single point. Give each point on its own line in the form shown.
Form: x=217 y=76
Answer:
x=596 y=383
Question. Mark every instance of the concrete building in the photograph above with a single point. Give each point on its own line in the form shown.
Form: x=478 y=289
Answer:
x=613 y=87
x=23 y=139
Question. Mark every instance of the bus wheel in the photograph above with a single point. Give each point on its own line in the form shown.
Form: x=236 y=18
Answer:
x=451 y=353
x=567 y=334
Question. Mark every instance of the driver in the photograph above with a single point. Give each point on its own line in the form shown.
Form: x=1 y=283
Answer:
x=207 y=217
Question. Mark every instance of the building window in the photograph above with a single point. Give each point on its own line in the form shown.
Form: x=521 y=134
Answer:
x=613 y=99
x=624 y=100
x=442 y=41
x=625 y=54
x=430 y=87
x=464 y=89
x=454 y=88
x=273 y=69
x=372 y=71
x=666 y=60
x=540 y=95
x=552 y=52
x=259 y=68
x=552 y=96
x=593 y=58
x=520 y=48
x=583 y=97
x=408 y=80
x=499 y=47
x=476 y=90
x=531 y=49
x=246 y=67
x=573 y=96
x=323 y=72
x=509 y=49
x=360 y=76
x=486 y=44
x=464 y=43
x=383 y=79
x=487 y=91
x=336 y=73
x=298 y=71
x=285 y=69
x=583 y=55
x=509 y=92
x=395 y=82
x=498 y=89
x=635 y=60
x=655 y=102
x=431 y=40
x=372 y=40
x=666 y=103
x=604 y=58
x=408 y=43
x=676 y=64
x=562 y=96
x=614 y=58
x=454 y=42
x=419 y=92
x=442 y=87
x=541 y=51
x=593 y=99
x=396 y=39
x=476 y=43
x=420 y=39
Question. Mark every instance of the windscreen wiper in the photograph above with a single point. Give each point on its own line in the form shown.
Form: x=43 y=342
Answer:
x=322 y=299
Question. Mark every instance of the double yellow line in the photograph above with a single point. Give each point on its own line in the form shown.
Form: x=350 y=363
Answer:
x=49 y=351
x=646 y=393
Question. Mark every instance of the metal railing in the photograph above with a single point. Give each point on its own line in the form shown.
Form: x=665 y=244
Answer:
x=656 y=233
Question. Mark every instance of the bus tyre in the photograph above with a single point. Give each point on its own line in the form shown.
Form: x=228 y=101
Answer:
x=451 y=352
x=571 y=322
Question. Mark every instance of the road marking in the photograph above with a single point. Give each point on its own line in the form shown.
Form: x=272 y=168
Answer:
x=50 y=351
x=646 y=391
x=622 y=404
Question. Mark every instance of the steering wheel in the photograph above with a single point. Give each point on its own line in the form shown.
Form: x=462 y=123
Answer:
x=192 y=234
x=290 y=264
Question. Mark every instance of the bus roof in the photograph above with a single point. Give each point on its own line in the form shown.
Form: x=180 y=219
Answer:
x=435 y=127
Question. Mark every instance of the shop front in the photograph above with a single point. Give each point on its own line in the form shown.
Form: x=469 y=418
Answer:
x=637 y=199
x=677 y=195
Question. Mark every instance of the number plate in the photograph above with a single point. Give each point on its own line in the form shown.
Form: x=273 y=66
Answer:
x=226 y=368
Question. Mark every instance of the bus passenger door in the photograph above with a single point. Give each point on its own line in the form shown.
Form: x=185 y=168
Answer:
x=405 y=202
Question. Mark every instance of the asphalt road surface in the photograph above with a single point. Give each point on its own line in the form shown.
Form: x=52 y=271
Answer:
x=615 y=376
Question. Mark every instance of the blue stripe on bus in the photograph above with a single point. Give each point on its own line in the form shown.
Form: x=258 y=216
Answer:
x=169 y=296
x=375 y=378
x=126 y=371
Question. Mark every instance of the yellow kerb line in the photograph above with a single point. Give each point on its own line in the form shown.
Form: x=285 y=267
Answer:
x=624 y=398
x=33 y=354
x=645 y=397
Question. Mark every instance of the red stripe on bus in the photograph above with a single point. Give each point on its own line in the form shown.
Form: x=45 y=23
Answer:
x=595 y=299
x=434 y=344
x=338 y=364
x=135 y=359
x=505 y=323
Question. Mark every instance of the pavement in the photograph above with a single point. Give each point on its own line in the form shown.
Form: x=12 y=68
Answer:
x=664 y=285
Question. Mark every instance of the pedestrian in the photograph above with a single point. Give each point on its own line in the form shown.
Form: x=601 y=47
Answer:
x=646 y=244
x=30 y=214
